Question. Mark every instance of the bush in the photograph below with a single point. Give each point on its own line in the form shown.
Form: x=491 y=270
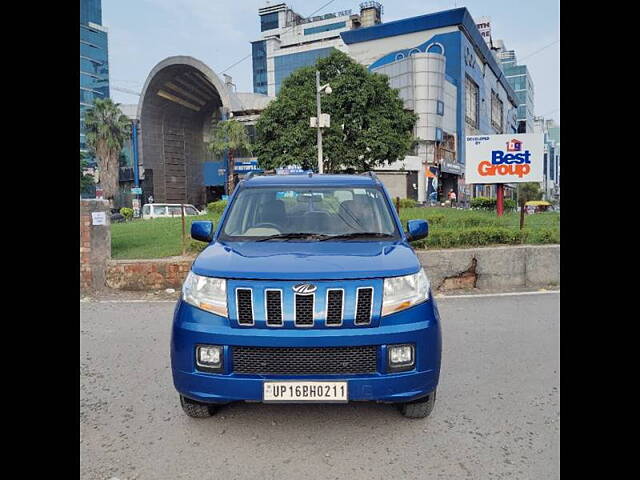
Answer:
x=216 y=208
x=408 y=203
x=485 y=203
x=127 y=213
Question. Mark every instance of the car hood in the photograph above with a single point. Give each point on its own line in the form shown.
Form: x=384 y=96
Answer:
x=306 y=260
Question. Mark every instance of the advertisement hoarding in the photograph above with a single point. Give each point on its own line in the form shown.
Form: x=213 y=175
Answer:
x=513 y=158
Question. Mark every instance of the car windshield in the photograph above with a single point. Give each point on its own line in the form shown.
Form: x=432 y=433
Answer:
x=308 y=214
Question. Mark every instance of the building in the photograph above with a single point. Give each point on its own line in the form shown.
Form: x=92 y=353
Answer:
x=448 y=76
x=440 y=63
x=519 y=78
x=289 y=41
x=181 y=100
x=94 y=59
x=551 y=183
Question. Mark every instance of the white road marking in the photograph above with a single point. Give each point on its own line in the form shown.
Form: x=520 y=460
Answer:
x=506 y=294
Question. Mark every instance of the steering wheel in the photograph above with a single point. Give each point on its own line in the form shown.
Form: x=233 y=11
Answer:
x=267 y=224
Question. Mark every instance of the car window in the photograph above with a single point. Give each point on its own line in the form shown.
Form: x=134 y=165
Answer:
x=145 y=210
x=190 y=211
x=159 y=210
x=175 y=211
x=260 y=212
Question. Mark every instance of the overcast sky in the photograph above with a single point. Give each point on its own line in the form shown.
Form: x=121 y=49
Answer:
x=218 y=32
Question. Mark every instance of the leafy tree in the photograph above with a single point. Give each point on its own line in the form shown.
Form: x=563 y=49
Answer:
x=369 y=126
x=107 y=128
x=231 y=136
x=86 y=179
x=527 y=192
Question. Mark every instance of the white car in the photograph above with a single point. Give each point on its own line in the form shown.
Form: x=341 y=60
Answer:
x=167 y=210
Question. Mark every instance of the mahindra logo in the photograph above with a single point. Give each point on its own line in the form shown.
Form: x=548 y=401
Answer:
x=304 y=288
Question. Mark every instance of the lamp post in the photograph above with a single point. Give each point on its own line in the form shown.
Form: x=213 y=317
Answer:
x=319 y=89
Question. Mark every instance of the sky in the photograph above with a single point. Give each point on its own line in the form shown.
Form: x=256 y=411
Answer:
x=219 y=32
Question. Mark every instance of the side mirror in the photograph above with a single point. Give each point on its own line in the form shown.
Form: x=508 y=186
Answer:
x=417 y=229
x=202 y=230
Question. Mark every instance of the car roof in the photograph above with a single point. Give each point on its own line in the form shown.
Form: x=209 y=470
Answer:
x=310 y=180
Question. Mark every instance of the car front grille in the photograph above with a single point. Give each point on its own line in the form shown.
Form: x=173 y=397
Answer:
x=275 y=305
x=304 y=360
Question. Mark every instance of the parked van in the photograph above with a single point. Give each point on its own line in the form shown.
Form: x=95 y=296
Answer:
x=308 y=291
x=164 y=210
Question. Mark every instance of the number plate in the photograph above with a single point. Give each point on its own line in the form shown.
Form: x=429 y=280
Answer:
x=305 y=392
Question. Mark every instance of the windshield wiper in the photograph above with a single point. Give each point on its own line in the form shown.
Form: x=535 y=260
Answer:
x=313 y=236
x=358 y=235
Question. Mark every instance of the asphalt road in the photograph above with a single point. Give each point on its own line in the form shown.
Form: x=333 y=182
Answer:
x=497 y=414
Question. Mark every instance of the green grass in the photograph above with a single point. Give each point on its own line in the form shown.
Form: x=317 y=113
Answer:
x=448 y=228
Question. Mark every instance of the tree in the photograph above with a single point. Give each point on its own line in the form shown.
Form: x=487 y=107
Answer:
x=527 y=192
x=369 y=126
x=107 y=128
x=229 y=135
x=86 y=179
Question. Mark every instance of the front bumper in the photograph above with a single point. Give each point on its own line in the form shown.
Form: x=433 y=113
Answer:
x=419 y=325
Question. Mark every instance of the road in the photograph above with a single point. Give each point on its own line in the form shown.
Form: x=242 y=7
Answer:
x=497 y=414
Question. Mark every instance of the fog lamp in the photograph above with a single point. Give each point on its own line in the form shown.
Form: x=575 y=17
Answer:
x=209 y=357
x=401 y=357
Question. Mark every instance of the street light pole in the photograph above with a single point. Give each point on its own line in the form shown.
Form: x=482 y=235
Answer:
x=320 y=166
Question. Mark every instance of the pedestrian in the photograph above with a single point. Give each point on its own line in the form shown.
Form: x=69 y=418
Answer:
x=150 y=198
x=452 y=197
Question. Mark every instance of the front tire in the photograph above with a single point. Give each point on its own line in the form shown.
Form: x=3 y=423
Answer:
x=196 y=409
x=420 y=408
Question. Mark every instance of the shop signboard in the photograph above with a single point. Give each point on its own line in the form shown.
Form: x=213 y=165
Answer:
x=512 y=158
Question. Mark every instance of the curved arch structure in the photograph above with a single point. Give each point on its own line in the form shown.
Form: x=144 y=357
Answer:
x=179 y=98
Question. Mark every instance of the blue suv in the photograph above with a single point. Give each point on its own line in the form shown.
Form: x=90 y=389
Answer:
x=308 y=291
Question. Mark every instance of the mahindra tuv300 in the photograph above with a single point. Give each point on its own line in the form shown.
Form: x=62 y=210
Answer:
x=307 y=292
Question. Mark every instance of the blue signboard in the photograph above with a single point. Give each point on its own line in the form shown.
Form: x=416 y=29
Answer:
x=136 y=190
x=214 y=173
x=245 y=166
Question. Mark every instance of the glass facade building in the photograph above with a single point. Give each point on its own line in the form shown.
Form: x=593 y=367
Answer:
x=285 y=65
x=519 y=78
x=94 y=60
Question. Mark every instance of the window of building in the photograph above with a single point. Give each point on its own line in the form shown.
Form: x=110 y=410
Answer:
x=414 y=51
x=259 y=59
x=496 y=112
x=287 y=64
x=324 y=28
x=472 y=97
x=400 y=56
x=440 y=107
x=268 y=21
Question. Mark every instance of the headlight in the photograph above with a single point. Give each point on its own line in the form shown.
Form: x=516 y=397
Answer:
x=206 y=293
x=404 y=292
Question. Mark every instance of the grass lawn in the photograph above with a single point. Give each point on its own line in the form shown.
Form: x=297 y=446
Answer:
x=448 y=228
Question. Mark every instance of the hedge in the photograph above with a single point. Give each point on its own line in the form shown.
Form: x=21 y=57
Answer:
x=485 y=203
x=216 y=208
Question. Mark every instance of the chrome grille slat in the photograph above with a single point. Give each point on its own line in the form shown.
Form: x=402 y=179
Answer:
x=334 y=307
x=244 y=306
x=364 y=305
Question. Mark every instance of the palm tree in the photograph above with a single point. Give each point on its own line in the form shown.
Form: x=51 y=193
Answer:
x=229 y=135
x=86 y=179
x=107 y=128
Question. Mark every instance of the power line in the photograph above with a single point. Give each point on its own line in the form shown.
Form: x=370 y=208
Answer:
x=539 y=50
x=286 y=31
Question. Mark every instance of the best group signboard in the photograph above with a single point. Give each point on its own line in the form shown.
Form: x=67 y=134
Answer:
x=513 y=158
